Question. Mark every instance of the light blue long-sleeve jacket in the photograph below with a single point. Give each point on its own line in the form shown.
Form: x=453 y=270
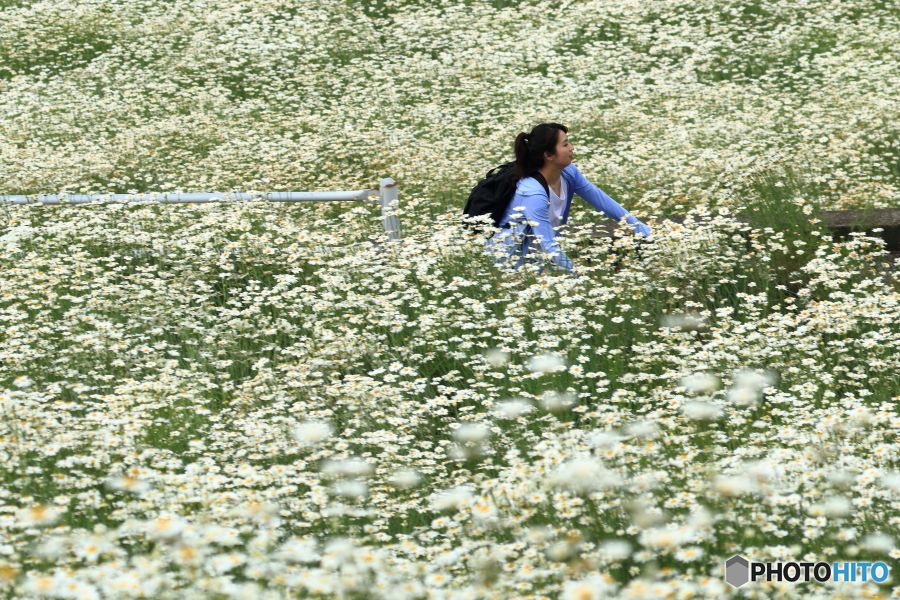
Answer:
x=528 y=215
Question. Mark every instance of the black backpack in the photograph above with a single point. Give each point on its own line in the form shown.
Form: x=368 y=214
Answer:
x=491 y=195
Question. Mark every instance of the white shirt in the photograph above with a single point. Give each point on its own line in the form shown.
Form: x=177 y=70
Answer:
x=557 y=203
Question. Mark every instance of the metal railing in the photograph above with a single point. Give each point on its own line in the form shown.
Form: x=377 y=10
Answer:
x=386 y=195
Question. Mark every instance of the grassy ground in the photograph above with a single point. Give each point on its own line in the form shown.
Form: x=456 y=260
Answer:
x=270 y=401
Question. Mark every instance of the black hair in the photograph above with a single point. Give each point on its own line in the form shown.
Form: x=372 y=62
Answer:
x=530 y=148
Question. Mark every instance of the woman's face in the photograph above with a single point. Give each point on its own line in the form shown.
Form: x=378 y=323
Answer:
x=565 y=151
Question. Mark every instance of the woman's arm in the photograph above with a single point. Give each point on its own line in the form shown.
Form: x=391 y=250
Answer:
x=599 y=200
x=537 y=215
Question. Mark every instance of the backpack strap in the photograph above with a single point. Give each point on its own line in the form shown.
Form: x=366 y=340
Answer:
x=537 y=176
x=540 y=178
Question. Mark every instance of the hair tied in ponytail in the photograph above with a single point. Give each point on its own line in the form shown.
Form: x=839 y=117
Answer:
x=530 y=156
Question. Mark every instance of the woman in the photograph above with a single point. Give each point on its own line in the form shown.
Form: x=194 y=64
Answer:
x=530 y=222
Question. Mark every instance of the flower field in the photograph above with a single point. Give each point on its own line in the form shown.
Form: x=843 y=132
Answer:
x=270 y=401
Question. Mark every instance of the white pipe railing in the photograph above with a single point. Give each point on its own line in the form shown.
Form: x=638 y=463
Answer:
x=385 y=195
